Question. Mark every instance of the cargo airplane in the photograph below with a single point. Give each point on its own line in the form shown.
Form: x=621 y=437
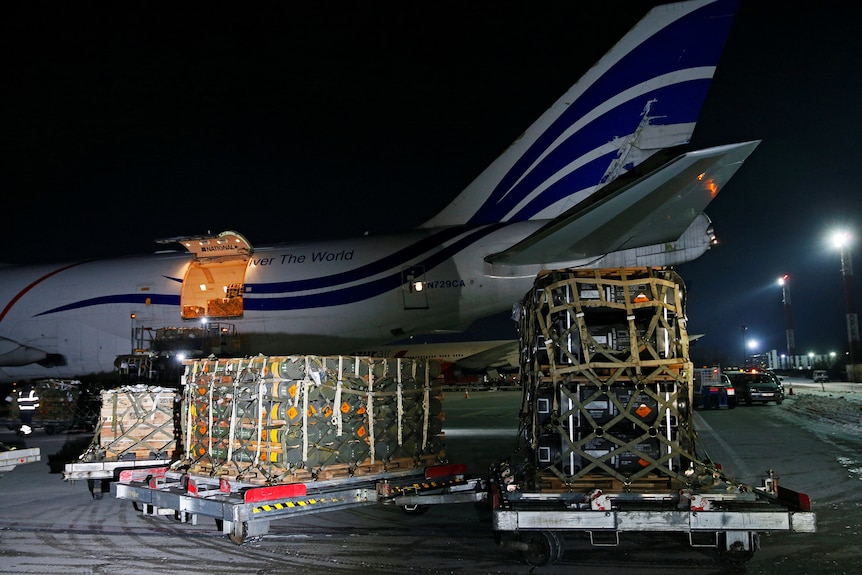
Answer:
x=602 y=179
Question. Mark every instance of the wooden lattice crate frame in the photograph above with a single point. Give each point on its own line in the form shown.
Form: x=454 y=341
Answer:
x=565 y=364
x=138 y=421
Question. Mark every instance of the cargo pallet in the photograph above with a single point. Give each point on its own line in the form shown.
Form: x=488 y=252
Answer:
x=244 y=510
x=136 y=432
x=264 y=438
x=608 y=445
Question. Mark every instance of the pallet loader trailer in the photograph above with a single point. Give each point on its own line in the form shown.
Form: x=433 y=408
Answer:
x=244 y=510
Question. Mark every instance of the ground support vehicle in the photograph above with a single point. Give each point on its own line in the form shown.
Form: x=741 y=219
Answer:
x=712 y=389
x=12 y=457
x=243 y=510
x=607 y=442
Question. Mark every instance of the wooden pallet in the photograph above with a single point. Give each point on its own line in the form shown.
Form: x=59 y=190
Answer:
x=550 y=483
x=265 y=474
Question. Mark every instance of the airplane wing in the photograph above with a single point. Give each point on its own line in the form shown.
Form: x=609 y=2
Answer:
x=654 y=209
x=503 y=356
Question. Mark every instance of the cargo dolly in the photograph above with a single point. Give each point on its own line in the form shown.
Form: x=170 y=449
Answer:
x=244 y=510
x=726 y=517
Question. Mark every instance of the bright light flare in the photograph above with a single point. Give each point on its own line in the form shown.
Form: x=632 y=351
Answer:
x=841 y=239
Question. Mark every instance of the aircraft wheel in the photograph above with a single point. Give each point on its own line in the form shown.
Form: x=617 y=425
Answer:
x=542 y=548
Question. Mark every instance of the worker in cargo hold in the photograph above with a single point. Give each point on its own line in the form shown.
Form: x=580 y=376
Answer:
x=28 y=403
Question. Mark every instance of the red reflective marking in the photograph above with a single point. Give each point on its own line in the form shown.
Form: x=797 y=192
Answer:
x=142 y=473
x=445 y=470
x=275 y=492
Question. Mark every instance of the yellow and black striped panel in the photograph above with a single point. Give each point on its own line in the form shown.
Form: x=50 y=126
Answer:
x=425 y=485
x=296 y=504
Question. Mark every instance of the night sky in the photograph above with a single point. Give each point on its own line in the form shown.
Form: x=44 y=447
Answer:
x=128 y=123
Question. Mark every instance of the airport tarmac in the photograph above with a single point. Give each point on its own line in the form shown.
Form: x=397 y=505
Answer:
x=49 y=526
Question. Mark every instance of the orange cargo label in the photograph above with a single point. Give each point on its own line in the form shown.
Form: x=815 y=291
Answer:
x=643 y=410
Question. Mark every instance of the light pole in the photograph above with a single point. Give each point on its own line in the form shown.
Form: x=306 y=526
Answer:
x=784 y=282
x=742 y=328
x=842 y=240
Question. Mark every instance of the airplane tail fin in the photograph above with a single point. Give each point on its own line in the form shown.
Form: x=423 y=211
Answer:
x=643 y=96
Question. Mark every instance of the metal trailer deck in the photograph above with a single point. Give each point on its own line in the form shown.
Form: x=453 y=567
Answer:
x=12 y=458
x=242 y=510
x=729 y=520
x=99 y=473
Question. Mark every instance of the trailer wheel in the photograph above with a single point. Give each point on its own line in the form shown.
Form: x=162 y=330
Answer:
x=238 y=532
x=542 y=548
x=737 y=547
x=415 y=509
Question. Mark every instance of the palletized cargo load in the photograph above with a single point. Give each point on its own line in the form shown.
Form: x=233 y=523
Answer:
x=607 y=442
x=137 y=430
x=296 y=418
x=137 y=422
x=276 y=436
x=607 y=381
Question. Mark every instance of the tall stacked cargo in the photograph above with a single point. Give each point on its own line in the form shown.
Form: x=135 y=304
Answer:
x=281 y=419
x=606 y=379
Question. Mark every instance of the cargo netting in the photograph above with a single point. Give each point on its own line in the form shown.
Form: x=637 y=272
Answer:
x=606 y=378
x=291 y=418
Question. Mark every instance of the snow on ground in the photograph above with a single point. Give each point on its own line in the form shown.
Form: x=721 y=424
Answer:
x=838 y=406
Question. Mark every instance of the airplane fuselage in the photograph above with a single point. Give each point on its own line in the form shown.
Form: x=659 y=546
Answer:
x=296 y=298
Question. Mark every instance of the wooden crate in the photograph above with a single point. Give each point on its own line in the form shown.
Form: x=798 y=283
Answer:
x=138 y=422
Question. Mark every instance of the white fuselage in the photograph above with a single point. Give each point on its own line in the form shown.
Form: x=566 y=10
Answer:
x=316 y=298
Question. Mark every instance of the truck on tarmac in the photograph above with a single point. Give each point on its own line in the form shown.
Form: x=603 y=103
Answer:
x=606 y=444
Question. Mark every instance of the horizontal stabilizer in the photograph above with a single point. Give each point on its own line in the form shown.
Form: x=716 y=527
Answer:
x=654 y=209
